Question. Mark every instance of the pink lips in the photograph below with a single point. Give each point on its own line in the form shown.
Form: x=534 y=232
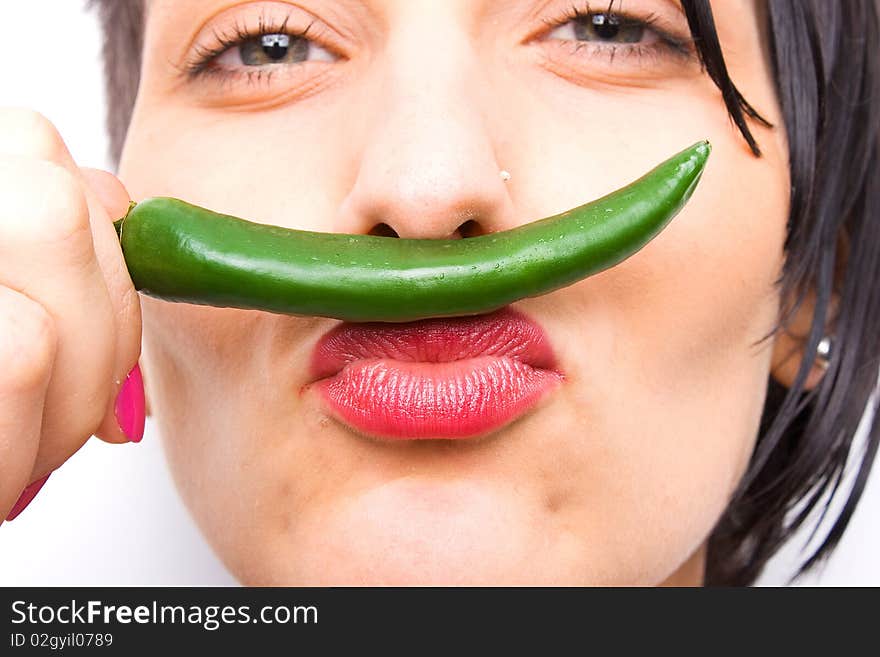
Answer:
x=448 y=378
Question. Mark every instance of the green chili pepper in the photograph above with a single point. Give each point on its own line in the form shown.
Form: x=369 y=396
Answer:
x=181 y=252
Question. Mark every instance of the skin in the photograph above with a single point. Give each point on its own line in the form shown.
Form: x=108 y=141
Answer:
x=619 y=475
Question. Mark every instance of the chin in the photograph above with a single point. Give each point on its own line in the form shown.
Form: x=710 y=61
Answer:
x=401 y=570
x=413 y=532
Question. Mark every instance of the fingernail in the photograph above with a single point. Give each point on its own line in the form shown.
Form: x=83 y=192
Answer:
x=27 y=495
x=130 y=406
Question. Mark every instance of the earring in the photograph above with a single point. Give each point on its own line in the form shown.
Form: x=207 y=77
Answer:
x=823 y=352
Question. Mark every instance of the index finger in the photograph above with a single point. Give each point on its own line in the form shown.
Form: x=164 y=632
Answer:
x=30 y=134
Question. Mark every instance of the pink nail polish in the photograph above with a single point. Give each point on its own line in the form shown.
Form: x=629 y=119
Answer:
x=27 y=495
x=130 y=406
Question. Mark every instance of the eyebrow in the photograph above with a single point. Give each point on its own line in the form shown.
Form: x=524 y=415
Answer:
x=213 y=7
x=370 y=4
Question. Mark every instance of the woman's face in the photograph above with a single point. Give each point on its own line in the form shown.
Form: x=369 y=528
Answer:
x=401 y=115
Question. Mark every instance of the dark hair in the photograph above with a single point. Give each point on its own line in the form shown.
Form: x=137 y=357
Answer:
x=827 y=75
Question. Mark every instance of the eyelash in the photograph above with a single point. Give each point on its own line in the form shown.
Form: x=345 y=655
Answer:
x=201 y=63
x=203 y=58
x=668 y=44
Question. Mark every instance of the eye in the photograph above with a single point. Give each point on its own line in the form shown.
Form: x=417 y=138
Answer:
x=269 y=49
x=604 y=27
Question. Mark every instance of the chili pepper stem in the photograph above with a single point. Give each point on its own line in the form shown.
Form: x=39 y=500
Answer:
x=118 y=223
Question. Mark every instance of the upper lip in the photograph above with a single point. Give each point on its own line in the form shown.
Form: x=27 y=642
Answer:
x=501 y=333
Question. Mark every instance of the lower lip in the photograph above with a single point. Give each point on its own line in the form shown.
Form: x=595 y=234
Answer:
x=401 y=400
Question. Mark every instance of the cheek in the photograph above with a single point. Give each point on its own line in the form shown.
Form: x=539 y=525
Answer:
x=670 y=385
x=221 y=386
x=707 y=290
x=274 y=170
x=189 y=355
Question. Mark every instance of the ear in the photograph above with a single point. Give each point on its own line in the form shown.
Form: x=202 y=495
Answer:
x=791 y=341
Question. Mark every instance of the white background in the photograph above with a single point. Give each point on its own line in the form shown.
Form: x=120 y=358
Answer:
x=110 y=515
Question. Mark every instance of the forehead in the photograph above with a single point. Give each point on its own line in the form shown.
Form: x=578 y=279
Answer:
x=166 y=6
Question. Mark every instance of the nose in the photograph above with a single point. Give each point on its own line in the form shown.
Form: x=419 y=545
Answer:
x=427 y=167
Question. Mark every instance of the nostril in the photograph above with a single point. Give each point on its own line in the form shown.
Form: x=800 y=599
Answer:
x=383 y=230
x=470 y=228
